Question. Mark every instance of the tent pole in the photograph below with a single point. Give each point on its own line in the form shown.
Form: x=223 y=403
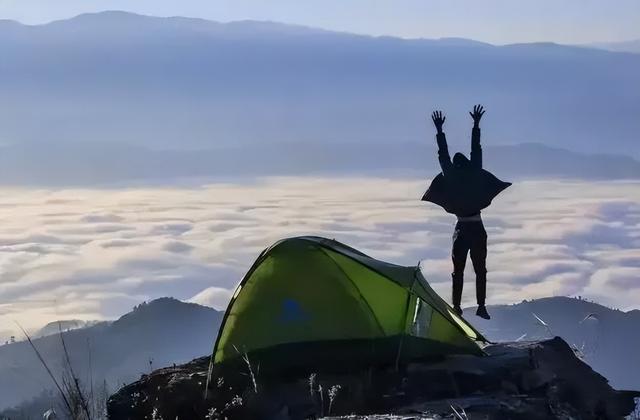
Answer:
x=404 y=324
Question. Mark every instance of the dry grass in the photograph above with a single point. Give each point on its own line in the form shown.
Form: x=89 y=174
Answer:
x=77 y=403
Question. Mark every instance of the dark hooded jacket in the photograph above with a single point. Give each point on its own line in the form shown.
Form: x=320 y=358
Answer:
x=463 y=188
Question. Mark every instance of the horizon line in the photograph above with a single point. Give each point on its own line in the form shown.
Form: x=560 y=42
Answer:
x=596 y=44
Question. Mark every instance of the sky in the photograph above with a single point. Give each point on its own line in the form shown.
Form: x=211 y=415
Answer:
x=94 y=254
x=495 y=21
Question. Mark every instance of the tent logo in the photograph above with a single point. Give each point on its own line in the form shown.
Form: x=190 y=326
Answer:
x=291 y=311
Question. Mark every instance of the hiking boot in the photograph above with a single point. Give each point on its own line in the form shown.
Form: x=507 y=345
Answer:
x=482 y=312
x=457 y=310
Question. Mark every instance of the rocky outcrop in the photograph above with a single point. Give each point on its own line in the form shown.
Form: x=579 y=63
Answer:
x=533 y=380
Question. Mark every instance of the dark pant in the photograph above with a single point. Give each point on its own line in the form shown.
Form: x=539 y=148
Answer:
x=469 y=236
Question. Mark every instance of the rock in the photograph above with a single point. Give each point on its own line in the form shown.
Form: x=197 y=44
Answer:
x=524 y=380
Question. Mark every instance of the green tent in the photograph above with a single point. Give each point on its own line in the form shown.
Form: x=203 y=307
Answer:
x=310 y=301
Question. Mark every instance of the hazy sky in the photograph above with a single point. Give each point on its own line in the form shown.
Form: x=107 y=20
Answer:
x=496 y=21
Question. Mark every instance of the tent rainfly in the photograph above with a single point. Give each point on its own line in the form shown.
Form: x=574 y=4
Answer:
x=312 y=302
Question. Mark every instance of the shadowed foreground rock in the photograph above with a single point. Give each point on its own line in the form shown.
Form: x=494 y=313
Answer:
x=534 y=380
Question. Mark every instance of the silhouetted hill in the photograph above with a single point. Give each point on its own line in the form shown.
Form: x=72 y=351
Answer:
x=163 y=332
x=64 y=325
x=178 y=83
x=168 y=331
x=608 y=339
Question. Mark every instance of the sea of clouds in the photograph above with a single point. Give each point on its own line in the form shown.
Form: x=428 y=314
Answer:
x=95 y=253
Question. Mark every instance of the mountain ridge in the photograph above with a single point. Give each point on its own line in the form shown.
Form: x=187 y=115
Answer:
x=629 y=46
x=192 y=328
x=65 y=325
x=154 y=334
x=203 y=26
x=196 y=22
x=99 y=164
x=617 y=46
x=161 y=85
x=606 y=338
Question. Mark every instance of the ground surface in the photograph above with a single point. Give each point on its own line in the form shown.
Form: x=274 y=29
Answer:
x=533 y=380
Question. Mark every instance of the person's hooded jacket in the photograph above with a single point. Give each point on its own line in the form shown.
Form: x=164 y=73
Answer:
x=463 y=188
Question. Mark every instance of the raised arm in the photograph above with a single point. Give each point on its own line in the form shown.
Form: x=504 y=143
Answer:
x=443 y=151
x=476 y=148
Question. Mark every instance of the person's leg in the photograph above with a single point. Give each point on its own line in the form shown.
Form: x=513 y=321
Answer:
x=459 y=257
x=479 y=261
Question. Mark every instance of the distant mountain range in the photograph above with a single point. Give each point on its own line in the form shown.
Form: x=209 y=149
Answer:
x=153 y=335
x=188 y=84
x=631 y=46
x=167 y=331
x=607 y=339
x=66 y=325
x=87 y=164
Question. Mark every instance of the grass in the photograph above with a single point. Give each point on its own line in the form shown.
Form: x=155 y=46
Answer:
x=76 y=402
x=635 y=415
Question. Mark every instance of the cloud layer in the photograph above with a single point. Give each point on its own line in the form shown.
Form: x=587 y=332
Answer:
x=93 y=254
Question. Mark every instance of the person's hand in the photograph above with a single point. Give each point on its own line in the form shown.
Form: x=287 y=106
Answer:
x=438 y=120
x=478 y=112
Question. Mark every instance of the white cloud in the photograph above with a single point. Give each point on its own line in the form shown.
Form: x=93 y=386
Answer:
x=92 y=254
x=215 y=297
